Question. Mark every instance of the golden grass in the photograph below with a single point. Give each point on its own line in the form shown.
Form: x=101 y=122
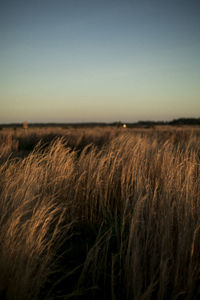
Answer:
x=100 y=213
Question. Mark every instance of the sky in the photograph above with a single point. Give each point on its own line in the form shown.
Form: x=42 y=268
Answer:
x=99 y=60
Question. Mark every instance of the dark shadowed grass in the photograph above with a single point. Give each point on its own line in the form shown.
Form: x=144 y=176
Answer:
x=103 y=217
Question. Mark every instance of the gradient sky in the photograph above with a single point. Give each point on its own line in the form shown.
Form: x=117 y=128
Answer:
x=96 y=60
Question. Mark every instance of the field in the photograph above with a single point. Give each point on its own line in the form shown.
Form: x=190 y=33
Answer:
x=100 y=213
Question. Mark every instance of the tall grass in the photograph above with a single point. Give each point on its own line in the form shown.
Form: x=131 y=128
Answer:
x=114 y=217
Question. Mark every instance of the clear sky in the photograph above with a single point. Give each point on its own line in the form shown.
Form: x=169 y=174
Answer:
x=99 y=60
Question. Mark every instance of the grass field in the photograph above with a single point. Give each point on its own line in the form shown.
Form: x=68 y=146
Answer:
x=100 y=213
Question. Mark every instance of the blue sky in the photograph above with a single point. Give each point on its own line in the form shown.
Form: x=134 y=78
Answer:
x=89 y=60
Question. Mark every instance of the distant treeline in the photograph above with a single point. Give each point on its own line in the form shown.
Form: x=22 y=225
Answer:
x=175 y=122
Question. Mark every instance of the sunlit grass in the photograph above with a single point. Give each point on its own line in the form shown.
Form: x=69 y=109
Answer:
x=100 y=213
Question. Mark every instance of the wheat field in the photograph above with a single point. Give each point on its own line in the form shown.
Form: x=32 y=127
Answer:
x=100 y=213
